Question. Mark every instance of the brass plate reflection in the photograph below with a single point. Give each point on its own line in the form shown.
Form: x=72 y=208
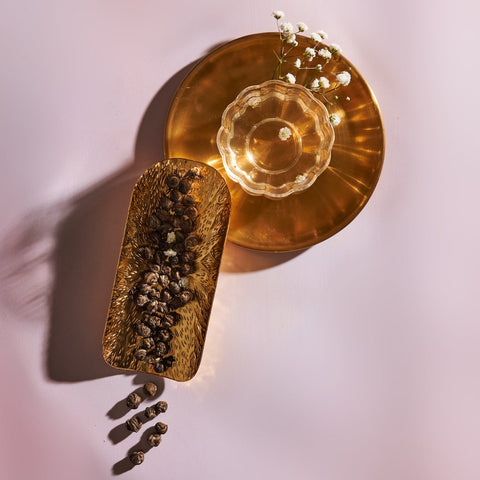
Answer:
x=303 y=219
x=120 y=339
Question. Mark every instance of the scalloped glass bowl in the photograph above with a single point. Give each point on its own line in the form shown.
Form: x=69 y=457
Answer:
x=250 y=143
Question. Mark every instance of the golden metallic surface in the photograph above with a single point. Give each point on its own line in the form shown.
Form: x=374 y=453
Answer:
x=303 y=219
x=119 y=339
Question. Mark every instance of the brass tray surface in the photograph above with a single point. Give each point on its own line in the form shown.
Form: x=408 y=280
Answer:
x=213 y=204
x=300 y=220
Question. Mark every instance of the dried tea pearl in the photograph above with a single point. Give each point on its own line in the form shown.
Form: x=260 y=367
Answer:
x=188 y=200
x=152 y=306
x=150 y=412
x=161 y=349
x=172 y=180
x=184 y=186
x=152 y=360
x=164 y=246
x=134 y=424
x=155 y=294
x=148 y=343
x=174 y=287
x=175 y=196
x=164 y=215
x=133 y=400
x=191 y=212
x=186 y=225
x=154 y=439
x=166 y=296
x=159 y=367
x=151 y=277
x=168 y=361
x=165 y=228
x=188 y=257
x=143 y=330
x=161 y=407
x=137 y=457
x=155 y=238
x=179 y=209
x=179 y=248
x=164 y=335
x=167 y=323
x=175 y=274
x=162 y=307
x=154 y=268
x=163 y=280
x=153 y=222
x=175 y=317
x=150 y=389
x=140 y=354
x=194 y=172
x=156 y=320
x=166 y=203
x=151 y=321
x=176 y=302
x=159 y=321
x=165 y=269
x=147 y=252
x=185 y=296
x=186 y=269
x=192 y=241
x=179 y=237
x=144 y=288
x=141 y=300
x=161 y=428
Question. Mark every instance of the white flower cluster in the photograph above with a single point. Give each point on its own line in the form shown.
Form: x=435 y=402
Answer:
x=290 y=78
x=334 y=119
x=318 y=56
x=284 y=134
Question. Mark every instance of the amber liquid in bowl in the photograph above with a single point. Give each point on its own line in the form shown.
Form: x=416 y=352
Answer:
x=254 y=152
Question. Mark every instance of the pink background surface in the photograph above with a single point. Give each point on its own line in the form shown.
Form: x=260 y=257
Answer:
x=355 y=359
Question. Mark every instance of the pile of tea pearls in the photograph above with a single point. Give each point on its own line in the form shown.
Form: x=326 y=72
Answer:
x=135 y=423
x=169 y=253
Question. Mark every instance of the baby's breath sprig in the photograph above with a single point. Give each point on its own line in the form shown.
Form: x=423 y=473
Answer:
x=319 y=57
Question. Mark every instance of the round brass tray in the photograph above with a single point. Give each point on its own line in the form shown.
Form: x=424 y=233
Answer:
x=300 y=220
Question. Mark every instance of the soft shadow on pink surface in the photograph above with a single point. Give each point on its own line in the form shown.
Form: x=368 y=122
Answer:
x=237 y=259
x=86 y=254
x=60 y=260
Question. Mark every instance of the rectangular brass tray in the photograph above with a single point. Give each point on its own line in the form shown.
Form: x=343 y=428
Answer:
x=213 y=203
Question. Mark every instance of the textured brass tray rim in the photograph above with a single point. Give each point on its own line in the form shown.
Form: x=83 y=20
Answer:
x=124 y=239
x=347 y=220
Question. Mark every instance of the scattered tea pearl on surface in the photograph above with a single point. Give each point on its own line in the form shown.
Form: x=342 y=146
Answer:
x=134 y=424
x=154 y=439
x=133 y=400
x=150 y=389
x=137 y=457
